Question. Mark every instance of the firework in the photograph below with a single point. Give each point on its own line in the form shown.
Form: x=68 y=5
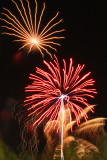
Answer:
x=92 y=129
x=50 y=89
x=29 y=32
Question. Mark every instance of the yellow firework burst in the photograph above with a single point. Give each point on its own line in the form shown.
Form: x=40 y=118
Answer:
x=28 y=32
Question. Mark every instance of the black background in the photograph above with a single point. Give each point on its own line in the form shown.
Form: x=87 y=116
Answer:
x=86 y=40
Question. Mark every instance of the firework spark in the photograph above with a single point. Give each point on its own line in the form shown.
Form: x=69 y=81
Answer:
x=50 y=88
x=29 y=33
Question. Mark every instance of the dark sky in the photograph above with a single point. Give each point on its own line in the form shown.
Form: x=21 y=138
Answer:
x=86 y=42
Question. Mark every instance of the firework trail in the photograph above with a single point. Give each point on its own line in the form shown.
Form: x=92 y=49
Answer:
x=62 y=129
x=50 y=88
x=28 y=30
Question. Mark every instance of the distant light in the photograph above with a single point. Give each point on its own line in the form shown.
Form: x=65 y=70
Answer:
x=17 y=57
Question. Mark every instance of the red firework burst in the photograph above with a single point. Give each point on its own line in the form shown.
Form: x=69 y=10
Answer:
x=48 y=88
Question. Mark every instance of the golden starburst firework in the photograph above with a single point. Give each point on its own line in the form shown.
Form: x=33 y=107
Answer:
x=28 y=32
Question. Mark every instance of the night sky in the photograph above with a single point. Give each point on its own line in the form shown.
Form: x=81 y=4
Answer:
x=86 y=42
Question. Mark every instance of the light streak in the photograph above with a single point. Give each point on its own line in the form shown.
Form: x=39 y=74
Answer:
x=29 y=32
x=62 y=128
